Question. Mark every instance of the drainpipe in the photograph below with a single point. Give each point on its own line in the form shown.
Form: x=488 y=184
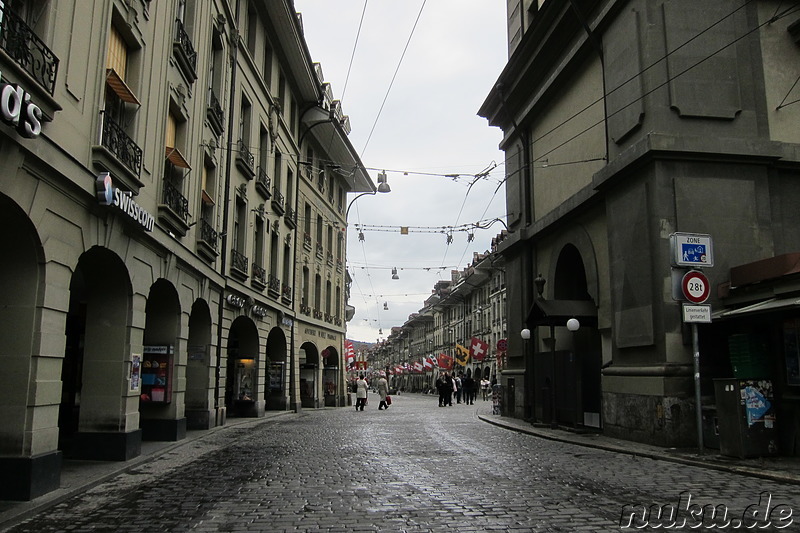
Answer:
x=234 y=52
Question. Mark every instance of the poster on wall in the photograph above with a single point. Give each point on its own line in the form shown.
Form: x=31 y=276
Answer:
x=136 y=371
x=276 y=376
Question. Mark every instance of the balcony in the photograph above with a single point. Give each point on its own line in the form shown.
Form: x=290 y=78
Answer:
x=274 y=286
x=259 y=277
x=290 y=218
x=215 y=114
x=173 y=211
x=27 y=50
x=239 y=263
x=306 y=310
x=207 y=241
x=317 y=314
x=307 y=241
x=263 y=183
x=245 y=160
x=277 y=202
x=329 y=258
x=118 y=154
x=339 y=265
x=184 y=52
x=286 y=293
x=320 y=251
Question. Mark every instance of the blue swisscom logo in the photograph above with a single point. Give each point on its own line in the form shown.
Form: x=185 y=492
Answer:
x=109 y=195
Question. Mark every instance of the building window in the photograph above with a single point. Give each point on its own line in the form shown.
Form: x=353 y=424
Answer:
x=239 y=226
x=120 y=106
x=267 y=66
x=252 y=29
x=258 y=243
x=175 y=168
x=215 y=112
x=328 y=297
x=282 y=93
x=317 y=292
x=304 y=292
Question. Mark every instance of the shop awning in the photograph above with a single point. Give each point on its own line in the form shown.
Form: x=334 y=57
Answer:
x=557 y=312
x=773 y=304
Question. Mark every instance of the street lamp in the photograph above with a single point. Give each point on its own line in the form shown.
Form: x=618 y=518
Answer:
x=383 y=187
x=573 y=324
x=526 y=336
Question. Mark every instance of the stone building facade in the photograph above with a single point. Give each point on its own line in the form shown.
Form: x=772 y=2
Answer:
x=173 y=184
x=625 y=123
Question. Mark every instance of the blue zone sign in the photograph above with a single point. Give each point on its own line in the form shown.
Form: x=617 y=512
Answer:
x=691 y=250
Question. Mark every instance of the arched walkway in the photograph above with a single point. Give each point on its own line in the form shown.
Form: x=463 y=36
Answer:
x=241 y=378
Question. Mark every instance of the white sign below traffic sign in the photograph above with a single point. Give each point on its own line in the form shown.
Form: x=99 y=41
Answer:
x=697 y=313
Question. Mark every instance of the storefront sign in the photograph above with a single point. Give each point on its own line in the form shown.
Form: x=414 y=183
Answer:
x=107 y=194
x=16 y=109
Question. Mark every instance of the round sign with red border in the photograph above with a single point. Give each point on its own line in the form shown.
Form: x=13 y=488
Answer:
x=696 y=287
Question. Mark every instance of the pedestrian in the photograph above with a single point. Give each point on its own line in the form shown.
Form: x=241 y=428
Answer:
x=383 y=390
x=457 y=388
x=485 y=388
x=468 y=386
x=361 y=393
x=449 y=389
x=441 y=388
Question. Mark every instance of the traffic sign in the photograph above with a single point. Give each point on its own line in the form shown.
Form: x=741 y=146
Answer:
x=696 y=287
x=697 y=313
x=691 y=250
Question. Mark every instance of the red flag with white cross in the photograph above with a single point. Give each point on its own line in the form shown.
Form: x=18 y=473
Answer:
x=478 y=349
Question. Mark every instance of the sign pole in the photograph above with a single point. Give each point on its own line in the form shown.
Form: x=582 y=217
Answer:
x=698 y=409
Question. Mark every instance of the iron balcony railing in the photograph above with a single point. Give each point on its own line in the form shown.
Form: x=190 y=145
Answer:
x=176 y=201
x=215 y=112
x=185 y=43
x=286 y=292
x=122 y=146
x=274 y=286
x=263 y=182
x=244 y=155
x=259 y=274
x=239 y=261
x=208 y=234
x=20 y=42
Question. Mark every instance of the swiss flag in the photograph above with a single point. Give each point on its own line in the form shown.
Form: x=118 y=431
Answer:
x=478 y=349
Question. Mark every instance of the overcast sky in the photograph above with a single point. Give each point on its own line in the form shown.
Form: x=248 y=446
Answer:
x=428 y=128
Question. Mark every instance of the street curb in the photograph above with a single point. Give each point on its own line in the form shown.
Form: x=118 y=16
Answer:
x=738 y=469
x=24 y=510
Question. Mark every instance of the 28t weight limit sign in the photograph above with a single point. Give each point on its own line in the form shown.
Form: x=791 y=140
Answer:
x=695 y=287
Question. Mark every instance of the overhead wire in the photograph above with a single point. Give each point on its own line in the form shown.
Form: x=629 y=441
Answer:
x=400 y=62
x=669 y=79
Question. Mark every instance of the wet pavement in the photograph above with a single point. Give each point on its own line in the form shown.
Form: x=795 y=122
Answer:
x=413 y=467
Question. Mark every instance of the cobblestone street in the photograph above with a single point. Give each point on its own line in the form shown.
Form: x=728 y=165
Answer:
x=414 y=467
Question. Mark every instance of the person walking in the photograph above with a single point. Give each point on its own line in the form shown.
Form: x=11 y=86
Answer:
x=468 y=385
x=450 y=388
x=457 y=387
x=441 y=388
x=361 y=393
x=382 y=388
x=485 y=388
